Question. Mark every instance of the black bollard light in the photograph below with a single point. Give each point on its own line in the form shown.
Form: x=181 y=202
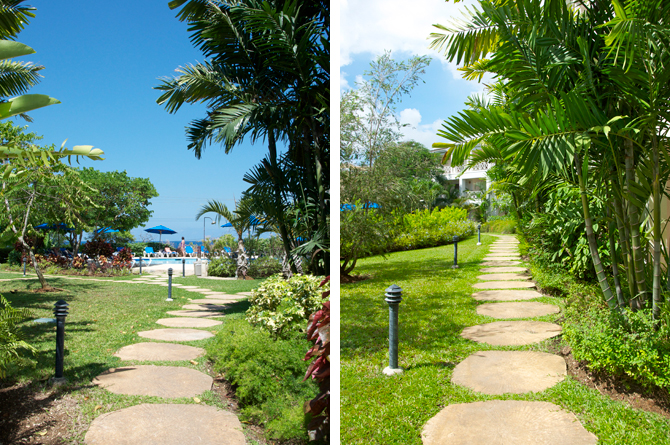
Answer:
x=140 y=265
x=183 y=267
x=479 y=234
x=60 y=311
x=455 y=266
x=24 y=267
x=393 y=298
x=169 y=298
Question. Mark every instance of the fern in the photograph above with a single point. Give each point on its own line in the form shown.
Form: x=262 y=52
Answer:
x=11 y=339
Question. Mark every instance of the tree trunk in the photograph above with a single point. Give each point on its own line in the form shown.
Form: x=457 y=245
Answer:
x=624 y=242
x=242 y=263
x=656 y=185
x=634 y=219
x=610 y=299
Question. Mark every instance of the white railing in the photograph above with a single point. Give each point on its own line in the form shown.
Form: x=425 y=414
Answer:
x=482 y=166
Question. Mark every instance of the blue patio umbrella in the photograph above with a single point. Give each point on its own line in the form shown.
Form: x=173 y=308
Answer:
x=160 y=230
x=106 y=230
x=367 y=205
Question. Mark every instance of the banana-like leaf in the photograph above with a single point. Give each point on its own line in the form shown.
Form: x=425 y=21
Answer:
x=10 y=48
x=24 y=104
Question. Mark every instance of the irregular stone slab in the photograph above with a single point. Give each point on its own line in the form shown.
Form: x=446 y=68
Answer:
x=503 y=250
x=492 y=255
x=149 y=380
x=505 y=422
x=517 y=310
x=503 y=276
x=176 y=334
x=512 y=333
x=503 y=269
x=501 y=372
x=503 y=258
x=188 y=322
x=244 y=293
x=505 y=295
x=503 y=285
x=154 y=352
x=204 y=307
x=166 y=424
x=190 y=287
x=212 y=301
x=500 y=263
x=196 y=314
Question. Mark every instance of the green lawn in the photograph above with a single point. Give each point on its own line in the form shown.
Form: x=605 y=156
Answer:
x=436 y=306
x=104 y=316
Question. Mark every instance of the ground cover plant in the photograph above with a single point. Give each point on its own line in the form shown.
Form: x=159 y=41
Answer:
x=436 y=306
x=103 y=317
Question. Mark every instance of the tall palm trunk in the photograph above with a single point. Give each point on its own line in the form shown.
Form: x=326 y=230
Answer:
x=624 y=242
x=610 y=299
x=634 y=220
x=656 y=184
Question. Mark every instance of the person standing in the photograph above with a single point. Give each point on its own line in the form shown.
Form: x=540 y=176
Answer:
x=182 y=247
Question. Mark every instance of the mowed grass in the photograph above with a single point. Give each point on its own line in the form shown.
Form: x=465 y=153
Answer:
x=103 y=317
x=437 y=305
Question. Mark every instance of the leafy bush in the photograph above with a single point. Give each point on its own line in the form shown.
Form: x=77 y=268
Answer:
x=268 y=375
x=629 y=343
x=283 y=306
x=426 y=228
x=10 y=338
x=500 y=226
x=15 y=258
x=97 y=248
x=222 y=267
x=264 y=267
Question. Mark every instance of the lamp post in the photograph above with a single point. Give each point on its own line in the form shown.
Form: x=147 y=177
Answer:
x=203 y=228
x=169 y=298
x=393 y=298
x=60 y=311
x=479 y=234
x=455 y=266
x=183 y=267
x=24 y=267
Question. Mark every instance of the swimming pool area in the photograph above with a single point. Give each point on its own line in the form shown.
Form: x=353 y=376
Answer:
x=162 y=261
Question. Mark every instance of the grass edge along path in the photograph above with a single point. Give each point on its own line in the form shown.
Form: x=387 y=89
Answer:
x=437 y=305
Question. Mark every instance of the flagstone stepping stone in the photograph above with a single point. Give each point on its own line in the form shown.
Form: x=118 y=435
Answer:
x=526 y=309
x=150 y=380
x=204 y=307
x=244 y=293
x=503 y=285
x=188 y=322
x=190 y=287
x=503 y=276
x=500 y=263
x=158 y=352
x=502 y=255
x=512 y=333
x=505 y=422
x=212 y=301
x=505 y=295
x=196 y=314
x=501 y=372
x=503 y=269
x=176 y=334
x=505 y=258
x=495 y=251
x=166 y=424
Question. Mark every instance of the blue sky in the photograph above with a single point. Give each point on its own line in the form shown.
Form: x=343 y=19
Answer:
x=371 y=26
x=101 y=61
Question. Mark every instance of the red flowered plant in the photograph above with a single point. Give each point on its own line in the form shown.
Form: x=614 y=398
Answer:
x=318 y=331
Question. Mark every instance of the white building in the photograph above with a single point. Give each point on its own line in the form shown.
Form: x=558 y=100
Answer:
x=470 y=183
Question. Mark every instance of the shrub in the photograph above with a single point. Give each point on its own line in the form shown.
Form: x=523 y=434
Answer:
x=222 y=267
x=500 y=226
x=97 y=248
x=283 y=306
x=10 y=337
x=426 y=228
x=268 y=375
x=263 y=267
x=629 y=343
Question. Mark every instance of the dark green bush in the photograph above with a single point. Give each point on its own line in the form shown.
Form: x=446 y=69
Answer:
x=268 y=376
x=264 y=267
x=500 y=226
x=430 y=228
x=222 y=267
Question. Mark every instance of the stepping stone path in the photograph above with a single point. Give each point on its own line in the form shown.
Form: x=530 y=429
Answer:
x=503 y=372
x=168 y=424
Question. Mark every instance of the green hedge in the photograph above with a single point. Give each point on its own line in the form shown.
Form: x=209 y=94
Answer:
x=426 y=228
x=268 y=375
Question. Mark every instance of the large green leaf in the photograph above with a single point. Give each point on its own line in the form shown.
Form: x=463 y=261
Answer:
x=10 y=48
x=25 y=103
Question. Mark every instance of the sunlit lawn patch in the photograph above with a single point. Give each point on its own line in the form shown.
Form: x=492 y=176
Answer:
x=436 y=306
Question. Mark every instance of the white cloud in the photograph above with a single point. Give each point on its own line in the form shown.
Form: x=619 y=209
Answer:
x=373 y=26
x=425 y=134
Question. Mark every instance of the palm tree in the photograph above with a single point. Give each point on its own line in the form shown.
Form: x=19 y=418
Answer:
x=238 y=224
x=266 y=78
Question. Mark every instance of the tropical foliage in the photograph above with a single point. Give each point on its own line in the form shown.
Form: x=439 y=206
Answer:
x=265 y=78
x=11 y=340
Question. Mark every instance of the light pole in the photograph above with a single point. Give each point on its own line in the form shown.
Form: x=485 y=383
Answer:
x=203 y=228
